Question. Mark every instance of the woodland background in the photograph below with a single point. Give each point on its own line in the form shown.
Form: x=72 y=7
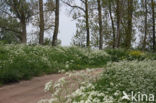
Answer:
x=99 y=23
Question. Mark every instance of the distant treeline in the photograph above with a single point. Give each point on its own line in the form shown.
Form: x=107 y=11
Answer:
x=100 y=23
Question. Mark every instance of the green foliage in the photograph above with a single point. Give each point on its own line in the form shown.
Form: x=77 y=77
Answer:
x=117 y=54
x=21 y=62
x=10 y=29
x=122 y=54
x=128 y=76
x=151 y=55
x=136 y=54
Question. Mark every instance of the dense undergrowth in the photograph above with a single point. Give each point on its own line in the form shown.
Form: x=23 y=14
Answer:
x=22 y=62
x=137 y=79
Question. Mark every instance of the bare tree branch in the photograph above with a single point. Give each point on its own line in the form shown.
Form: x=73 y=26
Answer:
x=74 y=6
x=9 y=29
x=82 y=1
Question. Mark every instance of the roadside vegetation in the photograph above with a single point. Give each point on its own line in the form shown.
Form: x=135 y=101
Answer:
x=100 y=24
x=125 y=70
x=117 y=78
x=22 y=62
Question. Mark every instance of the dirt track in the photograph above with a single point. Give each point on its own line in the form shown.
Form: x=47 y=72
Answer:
x=28 y=91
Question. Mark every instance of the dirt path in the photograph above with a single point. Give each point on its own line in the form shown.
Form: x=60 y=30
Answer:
x=29 y=91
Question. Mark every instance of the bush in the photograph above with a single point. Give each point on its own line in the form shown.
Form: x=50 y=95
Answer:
x=136 y=55
x=122 y=54
x=98 y=58
x=151 y=56
x=117 y=54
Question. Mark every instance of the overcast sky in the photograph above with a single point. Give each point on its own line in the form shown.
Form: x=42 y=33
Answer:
x=67 y=27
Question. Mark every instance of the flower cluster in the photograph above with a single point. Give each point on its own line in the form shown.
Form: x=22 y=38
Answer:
x=18 y=62
x=88 y=94
x=65 y=89
x=109 y=87
x=136 y=54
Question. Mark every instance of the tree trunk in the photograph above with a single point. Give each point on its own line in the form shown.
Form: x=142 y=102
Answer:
x=130 y=25
x=41 y=34
x=87 y=23
x=153 y=18
x=100 y=25
x=118 y=23
x=111 y=17
x=24 y=31
x=145 y=15
x=54 y=42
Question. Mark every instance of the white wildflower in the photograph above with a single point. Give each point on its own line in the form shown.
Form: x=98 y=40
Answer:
x=48 y=86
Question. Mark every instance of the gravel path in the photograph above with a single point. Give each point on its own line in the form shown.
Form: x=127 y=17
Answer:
x=29 y=91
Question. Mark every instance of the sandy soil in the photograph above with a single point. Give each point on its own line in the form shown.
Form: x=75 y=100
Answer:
x=29 y=91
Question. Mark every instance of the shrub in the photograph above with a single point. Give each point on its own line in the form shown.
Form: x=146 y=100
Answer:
x=117 y=54
x=136 y=55
x=98 y=58
x=123 y=54
x=151 y=56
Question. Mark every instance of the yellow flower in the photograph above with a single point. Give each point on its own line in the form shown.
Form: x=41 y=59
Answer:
x=136 y=53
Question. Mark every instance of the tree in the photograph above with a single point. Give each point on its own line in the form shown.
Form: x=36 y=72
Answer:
x=79 y=38
x=54 y=42
x=118 y=13
x=145 y=25
x=84 y=10
x=20 y=9
x=41 y=34
x=129 y=24
x=100 y=24
x=112 y=21
x=87 y=23
x=42 y=20
x=153 y=20
x=9 y=29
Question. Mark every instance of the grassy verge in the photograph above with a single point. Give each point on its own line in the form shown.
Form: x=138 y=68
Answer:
x=21 y=62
